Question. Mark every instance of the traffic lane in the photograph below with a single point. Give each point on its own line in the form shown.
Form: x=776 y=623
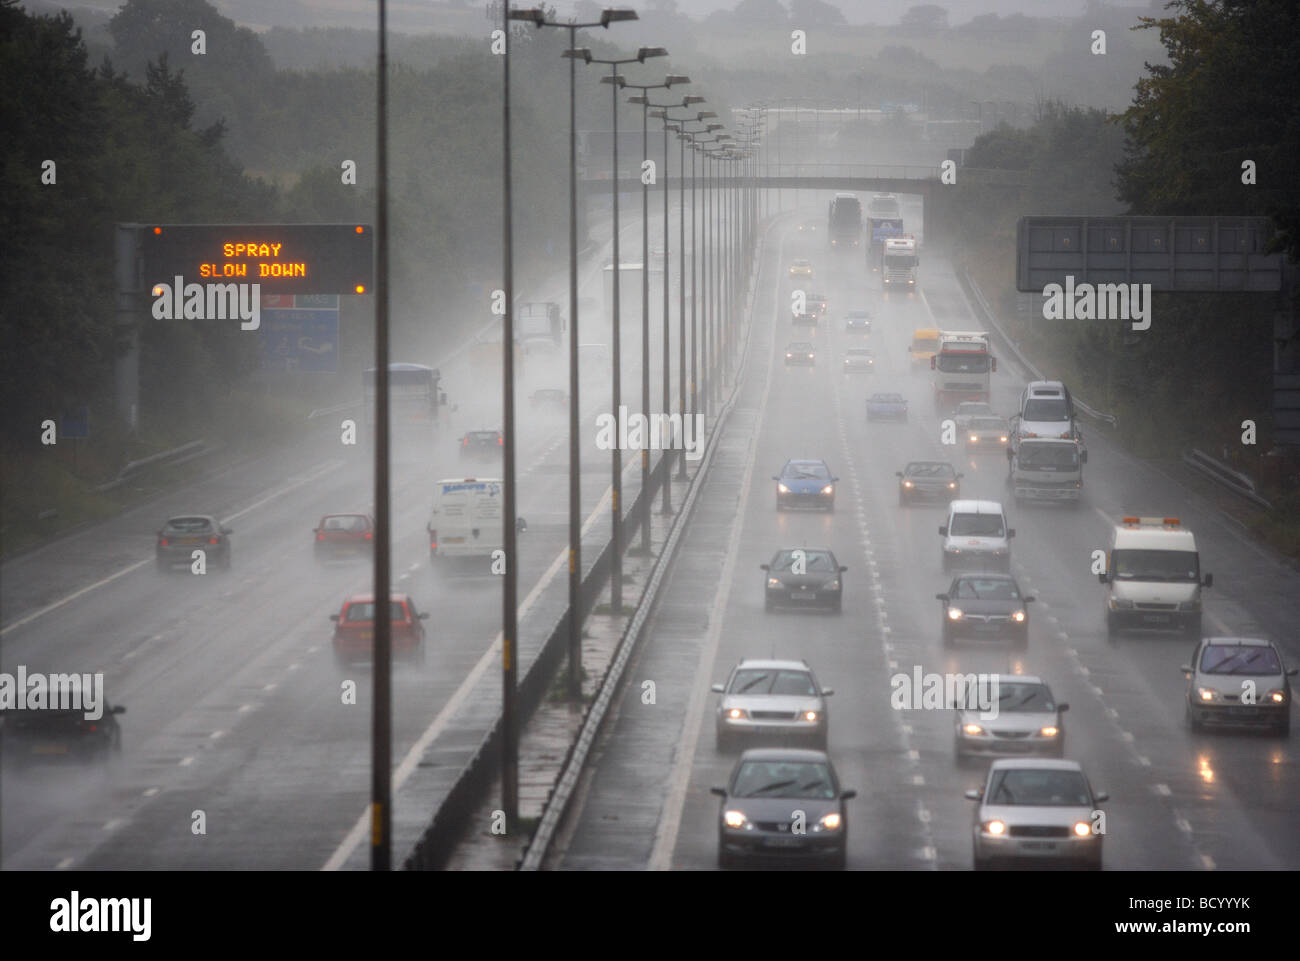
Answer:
x=1239 y=785
x=1059 y=528
x=188 y=664
x=843 y=650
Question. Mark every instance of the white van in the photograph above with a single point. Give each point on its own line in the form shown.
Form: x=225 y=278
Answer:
x=1153 y=576
x=976 y=535
x=466 y=518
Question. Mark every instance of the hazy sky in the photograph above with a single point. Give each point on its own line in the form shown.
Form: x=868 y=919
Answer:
x=888 y=11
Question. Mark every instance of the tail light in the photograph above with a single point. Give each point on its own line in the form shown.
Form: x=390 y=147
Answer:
x=163 y=542
x=90 y=726
x=464 y=441
x=213 y=540
x=320 y=536
x=367 y=536
x=500 y=441
x=433 y=540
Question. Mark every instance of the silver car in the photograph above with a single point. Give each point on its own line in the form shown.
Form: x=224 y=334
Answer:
x=1028 y=721
x=859 y=359
x=766 y=701
x=1037 y=810
x=1238 y=681
x=986 y=433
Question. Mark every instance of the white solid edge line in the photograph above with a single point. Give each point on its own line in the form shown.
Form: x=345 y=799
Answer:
x=412 y=757
x=138 y=564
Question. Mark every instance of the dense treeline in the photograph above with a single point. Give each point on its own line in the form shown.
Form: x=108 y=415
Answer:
x=1225 y=97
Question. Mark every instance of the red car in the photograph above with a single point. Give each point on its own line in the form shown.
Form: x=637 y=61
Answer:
x=354 y=629
x=342 y=534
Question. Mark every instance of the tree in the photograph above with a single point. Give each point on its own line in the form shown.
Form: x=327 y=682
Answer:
x=1226 y=97
x=760 y=12
x=818 y=13
x=926 y=18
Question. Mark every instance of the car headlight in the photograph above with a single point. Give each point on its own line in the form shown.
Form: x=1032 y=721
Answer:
x=972 y=730
x=782 y=489
x=1018 y=617
x=1192 y=605
x=954 y=613
x=810 y=715
x=1002 y=440
x=1082 y=829
x=1050 y=731
x=1121 y=604
x=907 y=483
x=974 y=439
x=735 y=819
x=831 y=585
x=1277 y=697
x=828 y=822
x=789 y=356
x=737 y=714
x=1206 y=693
x=810 y=357
x=774 y=582
x=952 y=485
x=828 y=489
x=994 y=827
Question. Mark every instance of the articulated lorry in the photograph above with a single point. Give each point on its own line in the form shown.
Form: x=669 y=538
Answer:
x=844 y=221
x=884 y=220
x=899 y=262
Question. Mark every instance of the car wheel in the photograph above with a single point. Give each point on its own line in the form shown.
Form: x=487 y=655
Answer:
x=1060 y=747
x=840 y=860
x=768 y=605
x=162 y=566
x=1022 y=640
x=725 y=861
x=947 y=564
x=1283 y=728
x=1193 y=724
x=982 y=864
x=837 y=605
x=947 y=636
x=225 y=561
x=723 y=742
x=1192 y=629
x=902 y=499
x=1112 y=627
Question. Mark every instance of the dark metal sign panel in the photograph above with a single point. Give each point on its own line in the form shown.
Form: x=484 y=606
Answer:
x=283 y=258
x=1169 y=253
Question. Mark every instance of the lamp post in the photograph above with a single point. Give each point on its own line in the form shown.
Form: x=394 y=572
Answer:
x=616 y=534
x=607 y=17
x=644 y=102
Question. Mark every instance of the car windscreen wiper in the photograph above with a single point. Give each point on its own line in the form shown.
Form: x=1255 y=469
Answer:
x=770 y=787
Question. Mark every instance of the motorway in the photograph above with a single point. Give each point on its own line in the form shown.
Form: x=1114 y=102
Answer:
x=1225 y=801
x=234 y=703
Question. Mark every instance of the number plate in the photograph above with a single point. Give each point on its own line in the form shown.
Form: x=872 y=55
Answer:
x=364 y=635
x=782 y=842
x=1156 y=618
x=453 y=540
x=1037 y=846
x=804 y=597
x=50 y=749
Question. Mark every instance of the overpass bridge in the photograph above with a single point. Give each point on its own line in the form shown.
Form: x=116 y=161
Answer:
x=859 y=178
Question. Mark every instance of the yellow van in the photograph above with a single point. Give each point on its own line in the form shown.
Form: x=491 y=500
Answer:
x=925 y=344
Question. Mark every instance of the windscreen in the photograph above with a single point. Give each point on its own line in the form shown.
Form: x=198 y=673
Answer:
x=1039 y=787
x=1131 y=565
x=1059 y=457
x=1239 y=659
x=784 y=779
x=976 y=525
x=1046 y=409
x=963 y=363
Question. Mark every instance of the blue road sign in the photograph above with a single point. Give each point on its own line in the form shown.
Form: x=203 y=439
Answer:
x=300 y=339
x=76 y=423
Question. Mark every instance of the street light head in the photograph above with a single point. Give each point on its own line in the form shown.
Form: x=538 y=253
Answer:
x=578 y=53
x=645 y=53
x=659 y=115
x=677 y=78
x=713 y=126
x=638 y=98
x=609 y=16
x=705 y=115
x=616 y=79
x=691 y=98
x=531 y=14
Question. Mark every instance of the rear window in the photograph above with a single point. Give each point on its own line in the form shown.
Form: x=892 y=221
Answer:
x=814 y=561
x=189 y=525
x=1046 y=409
x=347 y=522
x=923 y=469
x=976 y=525
x=365 y=611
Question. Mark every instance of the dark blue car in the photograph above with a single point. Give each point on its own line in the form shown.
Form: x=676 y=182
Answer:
x=805 y=483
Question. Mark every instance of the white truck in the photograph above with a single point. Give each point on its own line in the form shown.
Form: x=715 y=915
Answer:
x=539 y=328
x=1153 y=577
x=1047 y=469
x=466 y=519
x=899 y=262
